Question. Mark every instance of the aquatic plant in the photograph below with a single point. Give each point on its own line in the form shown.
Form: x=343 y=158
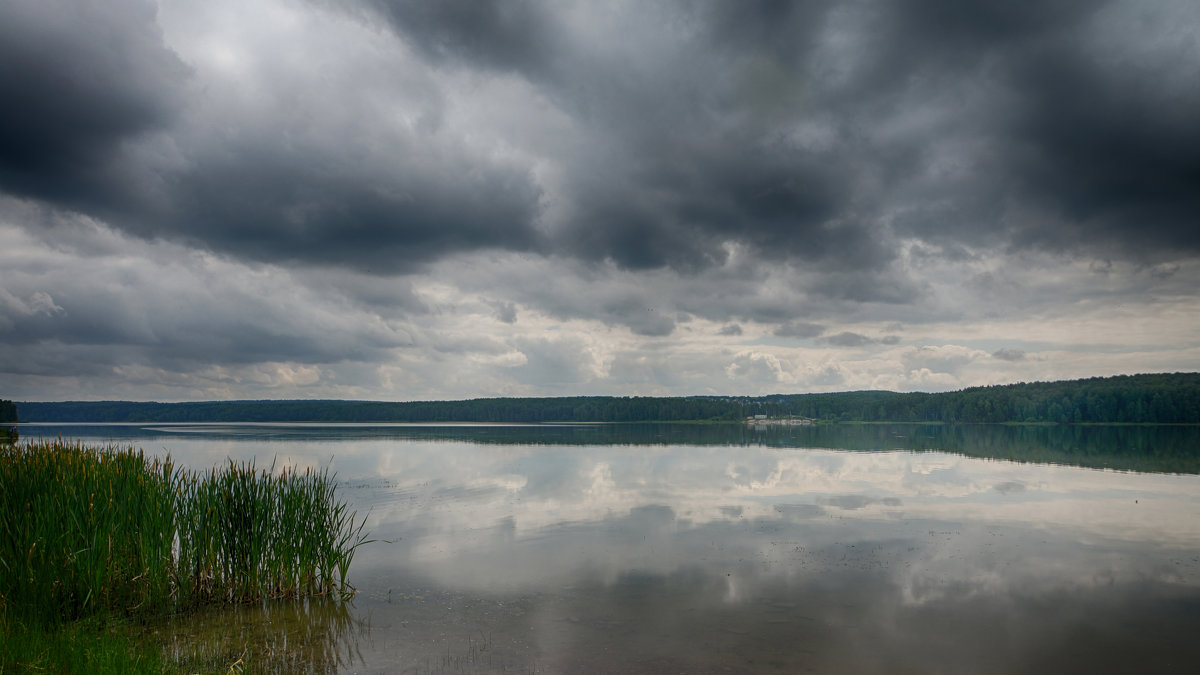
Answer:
x=86 y=529
x=82 y=528
x=88 y=646
x=247 y=534
x=316 y=635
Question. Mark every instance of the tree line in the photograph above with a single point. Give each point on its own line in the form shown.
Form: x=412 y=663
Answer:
x=1153 y=399
x=563 y=409
x=1172 y=398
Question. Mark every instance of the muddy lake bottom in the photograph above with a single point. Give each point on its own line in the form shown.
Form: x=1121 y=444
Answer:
x=655 y=549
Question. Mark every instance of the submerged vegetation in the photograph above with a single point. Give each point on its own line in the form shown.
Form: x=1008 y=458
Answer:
x=88 y=531
x=87 y=646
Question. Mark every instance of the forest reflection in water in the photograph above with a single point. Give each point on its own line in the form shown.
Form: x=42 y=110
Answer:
x=1152 y=448
x=728 y=549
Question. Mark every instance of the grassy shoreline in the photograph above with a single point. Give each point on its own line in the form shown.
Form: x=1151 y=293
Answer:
x=94 y=535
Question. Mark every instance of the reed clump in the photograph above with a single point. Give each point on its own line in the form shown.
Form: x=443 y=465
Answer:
x=87 y=530
x=245 y=534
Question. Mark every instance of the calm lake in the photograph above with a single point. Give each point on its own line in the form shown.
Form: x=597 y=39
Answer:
x=728 y=548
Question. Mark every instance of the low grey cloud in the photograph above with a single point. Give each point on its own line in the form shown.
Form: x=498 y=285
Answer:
x=190 y=313
x=799 y=329
x=506 y=312
x=520 y=35
x=941 y=359
x=651 y=324
x=852 y=339
x=1009 y=354
x=847 y=339
x=730 y=329
x=555 y=365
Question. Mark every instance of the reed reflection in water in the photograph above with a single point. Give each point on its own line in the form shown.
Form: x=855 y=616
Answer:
x=318 y=635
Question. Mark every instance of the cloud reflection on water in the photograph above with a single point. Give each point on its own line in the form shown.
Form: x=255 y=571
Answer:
x=863 y=557
x=711 y=558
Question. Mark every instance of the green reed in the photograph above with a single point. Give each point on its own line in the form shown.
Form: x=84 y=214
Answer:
x=85 y=530
x=247 y=534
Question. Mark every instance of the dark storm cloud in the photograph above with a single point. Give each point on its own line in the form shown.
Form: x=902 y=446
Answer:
x=1116 y=150
x=700 y=142
x=678 y=209
x=678 y=158
x=282 y=207
x=78 y=80
x=814 y=134
x=1090 y=122
x=94 y=120
x=1085 y=121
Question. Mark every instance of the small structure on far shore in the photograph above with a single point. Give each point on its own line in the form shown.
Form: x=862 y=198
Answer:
x=764 y=420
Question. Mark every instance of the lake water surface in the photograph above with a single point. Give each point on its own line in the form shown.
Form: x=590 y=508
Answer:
x=724 y=548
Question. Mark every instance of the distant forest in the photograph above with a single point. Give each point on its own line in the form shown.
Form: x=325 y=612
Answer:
x=1151 y=399
x=1148 y=399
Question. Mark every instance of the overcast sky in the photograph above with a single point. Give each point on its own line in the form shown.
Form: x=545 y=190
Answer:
x=457 y=198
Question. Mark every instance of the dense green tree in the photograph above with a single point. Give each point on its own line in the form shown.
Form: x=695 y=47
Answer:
x=8 y=411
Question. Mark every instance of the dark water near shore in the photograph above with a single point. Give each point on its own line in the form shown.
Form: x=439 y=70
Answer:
x=722 y=548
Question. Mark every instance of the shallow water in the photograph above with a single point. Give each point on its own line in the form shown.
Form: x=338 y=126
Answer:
x=680 y=548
